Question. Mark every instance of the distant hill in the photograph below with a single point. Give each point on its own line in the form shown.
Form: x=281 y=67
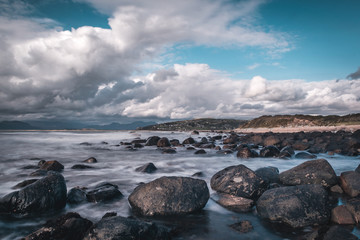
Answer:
x=302 y=120
x=16 y=125
x=197 y=124
x=118 y=126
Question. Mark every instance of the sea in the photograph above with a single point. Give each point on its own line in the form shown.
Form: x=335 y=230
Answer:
x=116 y=164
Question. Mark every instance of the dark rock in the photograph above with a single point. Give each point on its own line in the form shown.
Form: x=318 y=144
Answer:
x=168 y=151
x=288 y=149
x=217 y=137
x=350 y=183
x=301 y=146
x=90 y=160
x=147 y=168
x=48 y=193
x=24 y=183
x=305 y=155
x=41 y=163
x=230 y=146
x=152 y=141
x=285 y=155
x=271 y=140
x=217 y=148
x=246 y=152
x=85 y=144
x=296 y=206
x=175 y=142
x=39 y=173
x=109 y=214
x=207 y=145
x=341 y=215
x=190 y=148
x=200 y=151
x=69 y=226
x=269 y=174
x=339 y=233
x=227 y=151
x=104 y=143
x=198 y=174
x=169 y=196
x=195 y=132
x=121 y=228
x=204 y=140
x=30 y=167
x=358 y=169
x=52 y=166
x=310 y=172
x=81 y=166
x=239 y=181
x=269 y=151
x=104 y=192
x=242 y=226
x=336 y=189
x=233 y=203
x=138 y=141
x=189 y=140
x=138 y=145
x=163 y=142
x=76 y=195
x=353 y=205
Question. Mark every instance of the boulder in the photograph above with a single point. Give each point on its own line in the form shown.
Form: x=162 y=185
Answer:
x=358 y=169
x=310 y=172
x=200 y=151
x=116 y=228
x=76 y=195
x=48 y=193
x=246 y=152
x=288 y=149
x=239 y=181
x=305 y=155
x=271 y=140
x=242 y=226
x=152 y=141
x=341 y=215
x=163 y=142
x=104 y=192
x=269 y=174
x=175 y=142
x=353 y=205
x=81 y=166
x=69 y=226
x=90 y=160
x=269 y=151
x=189 y=140
x=168 y=151
x=339 y=233
x=24 y=183
x=295 y=206
x=147 y=168
x=233 y=203
x=169 y=196
x=350 y=183
x=52 y=166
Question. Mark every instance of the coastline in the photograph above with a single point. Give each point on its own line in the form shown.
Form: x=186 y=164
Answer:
x=347 y=128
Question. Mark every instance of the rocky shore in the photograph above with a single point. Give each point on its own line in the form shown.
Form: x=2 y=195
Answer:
x=308 y=196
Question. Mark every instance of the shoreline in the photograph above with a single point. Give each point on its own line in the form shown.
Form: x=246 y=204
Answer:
x=346 y=128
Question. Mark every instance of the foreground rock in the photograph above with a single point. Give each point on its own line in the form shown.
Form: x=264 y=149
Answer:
x=69 y=226
x=52 y=166
x=296 y=206
x=147 y=168
x=169 y=196
x=115 y=228
x=104 y=192
x=239 y=181
x=233 y=203
x=269 y=174
x=341 y=215
x=310 y=172
x=350 y=183
x=48 y=193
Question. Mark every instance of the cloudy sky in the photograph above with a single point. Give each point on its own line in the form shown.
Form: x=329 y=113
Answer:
x=100 y=61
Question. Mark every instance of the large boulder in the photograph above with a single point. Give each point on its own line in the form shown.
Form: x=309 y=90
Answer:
x=104 y=192
x=295 y=206
x=246 y=152
x=189 y=140
x=48 y=193
x=350 y=183
x=238 y=181
x=52 y=166
x=163 y=142
x=169 y=196
x=269 y=151
x=269 y=174
x=310 y=172
x=147 y=168
x=115 y=228
x=233 y=203
x=152 y=141
x=69 y=226
x=353 y=205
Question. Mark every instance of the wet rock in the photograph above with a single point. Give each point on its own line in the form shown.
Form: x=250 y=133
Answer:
x=138 y=141
x=175 y=142
x=195 y=132
x=300 y=146
x=48 y=193
x=190 y=148
x=24 y=183
x=81 y=166
x=85 y=144
x=200 y=151
x=69 y=226
x=350 y=183
x=233 y=203
x=152 y=141
x=296 y=206
x=336 y=189
x=104 y=192
x=138 y=145
x=305 y=155
x=358 y=169
x=189 y=140
x=230 y=146
x=52 y=166
x=39 y=173
x=147 y=168
x=246 y=152
x=76 y=195
x=271 y=140
x=339 y=233
x=115 y=228
x=288 y=149
x=169 y=196
x=353 y=205
x=239 y=181
x=242 y=226
x=90 y=160
x=109 y=214
x=198 y=174
x=269 y=151
x=207 y=145
x=310 y=172
x=168 y=151
x=30 y=167
x=269 y=174
x=163 y=142
x=40 y=163
x=341 y=215
x=227 y=151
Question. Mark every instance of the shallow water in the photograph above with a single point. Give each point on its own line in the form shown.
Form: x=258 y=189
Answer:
x=116 y=164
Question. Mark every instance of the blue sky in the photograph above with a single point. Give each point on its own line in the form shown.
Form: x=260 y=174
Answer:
x=104 y=60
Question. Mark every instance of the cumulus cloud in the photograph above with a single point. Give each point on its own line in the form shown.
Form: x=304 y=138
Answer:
x=354 y=75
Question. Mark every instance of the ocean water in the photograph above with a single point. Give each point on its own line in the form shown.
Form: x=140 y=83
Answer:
x=117 y=165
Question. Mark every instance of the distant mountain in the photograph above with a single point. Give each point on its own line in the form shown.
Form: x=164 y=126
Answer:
x=197 y=124
x=302 y=120
x=16 y=125
x=118 y=126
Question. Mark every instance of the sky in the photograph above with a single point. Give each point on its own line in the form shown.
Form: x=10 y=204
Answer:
x=103 y=61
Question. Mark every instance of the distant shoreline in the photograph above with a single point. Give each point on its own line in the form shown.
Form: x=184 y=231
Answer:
x=347 y=128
